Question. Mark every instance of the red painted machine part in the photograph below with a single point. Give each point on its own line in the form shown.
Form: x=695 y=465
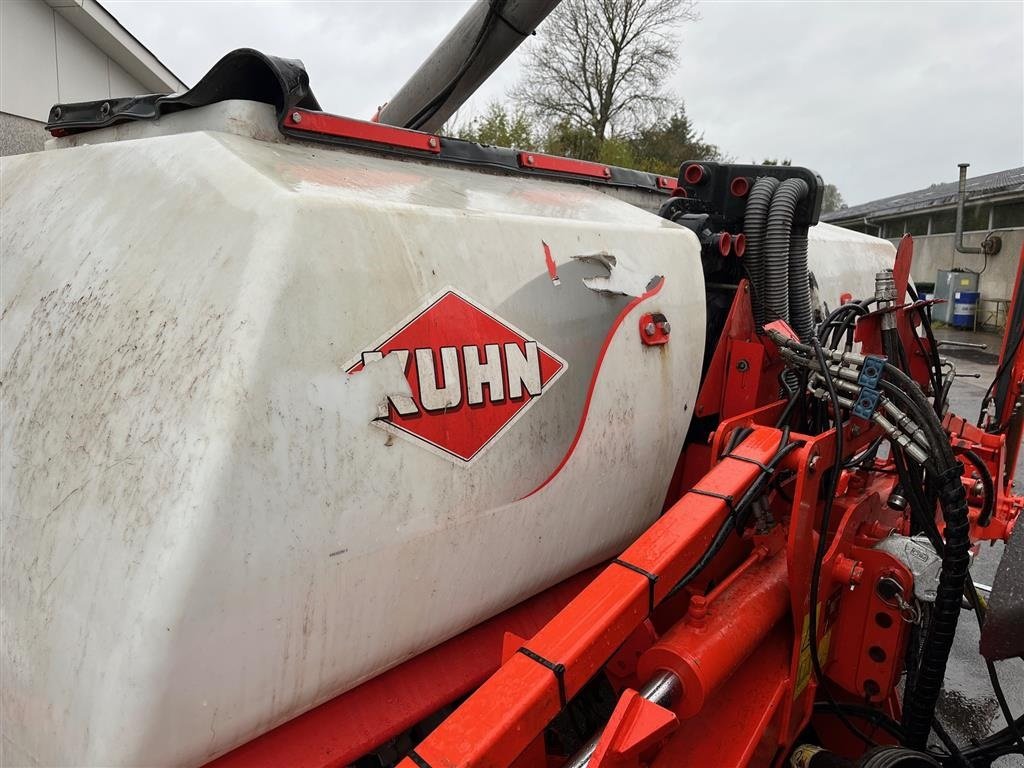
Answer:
x=341 y=730
x=510 y=709
x=555 y=164
x=361 y=130
x=636 y=725
x=717 y=635
x=1014 y=360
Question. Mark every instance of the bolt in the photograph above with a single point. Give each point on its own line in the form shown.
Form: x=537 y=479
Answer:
x=649 y=329
x=529 y=159
x=432 y=142
x=813 y=462
x=742 y=365
x=666 y=327
x=105 y=108
x=296 y=117
x=698 y=612
x=56 y=113
x=847 y=570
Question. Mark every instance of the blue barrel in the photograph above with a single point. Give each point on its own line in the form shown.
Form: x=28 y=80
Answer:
x=965 y=308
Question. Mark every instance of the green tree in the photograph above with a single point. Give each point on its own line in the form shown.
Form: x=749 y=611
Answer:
x=832 y=200
x=662 y=146
x=500 y=128
x=601 y=64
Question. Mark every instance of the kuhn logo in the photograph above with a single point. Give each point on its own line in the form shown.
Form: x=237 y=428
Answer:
x=472 y=375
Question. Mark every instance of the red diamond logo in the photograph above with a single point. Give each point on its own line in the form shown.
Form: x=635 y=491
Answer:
x=472 y=375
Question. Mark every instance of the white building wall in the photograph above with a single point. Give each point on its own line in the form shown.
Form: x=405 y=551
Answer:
x=44 y=60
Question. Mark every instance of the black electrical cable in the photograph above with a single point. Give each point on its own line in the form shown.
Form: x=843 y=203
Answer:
x=494 y=13
x=874 y=716
x=822 y=548
x=935 y=369
x=945 y=473
x=734 y=522
x=1011 y=354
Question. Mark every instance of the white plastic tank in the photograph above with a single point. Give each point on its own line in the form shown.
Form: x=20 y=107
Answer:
x=208 y=527
x=278 y=417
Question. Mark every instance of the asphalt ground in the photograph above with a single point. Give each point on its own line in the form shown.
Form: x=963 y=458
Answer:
x=967 y=707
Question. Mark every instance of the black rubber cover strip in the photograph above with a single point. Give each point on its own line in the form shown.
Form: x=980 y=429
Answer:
x=720 y=496
x=557 y=669
x=243 y=74
x=652 y=579
x=418 y=760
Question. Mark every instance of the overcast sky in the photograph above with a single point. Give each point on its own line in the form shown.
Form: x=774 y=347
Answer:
x=879 y=98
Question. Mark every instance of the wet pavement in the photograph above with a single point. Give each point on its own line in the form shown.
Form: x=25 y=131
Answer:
x=968 y=708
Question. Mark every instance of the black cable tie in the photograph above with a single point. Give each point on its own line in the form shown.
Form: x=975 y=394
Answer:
x=764 y=467
x=728 y=499
x=418 y=760
x=652 y=579
x=557 y=669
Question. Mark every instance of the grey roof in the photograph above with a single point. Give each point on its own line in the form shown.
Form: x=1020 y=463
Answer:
x=936 y=195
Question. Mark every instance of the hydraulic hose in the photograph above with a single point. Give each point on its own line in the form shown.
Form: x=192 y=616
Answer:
x=919 y=703
x=944 y=473
x=754 y=221
x=777 y=267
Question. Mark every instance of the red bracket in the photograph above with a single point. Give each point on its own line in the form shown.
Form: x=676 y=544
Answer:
x=360 y=130
x=654 y=329
x=563 y=165
x=636 y=725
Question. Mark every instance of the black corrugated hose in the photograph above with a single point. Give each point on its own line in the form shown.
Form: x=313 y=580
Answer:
x=755 y=219
x=945 y=472
x=800 y=316
x=777 y=267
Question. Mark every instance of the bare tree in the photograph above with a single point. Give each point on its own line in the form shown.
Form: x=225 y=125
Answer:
x=600 y=64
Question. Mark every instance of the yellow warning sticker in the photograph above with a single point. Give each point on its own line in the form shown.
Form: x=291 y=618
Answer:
x=803 y=669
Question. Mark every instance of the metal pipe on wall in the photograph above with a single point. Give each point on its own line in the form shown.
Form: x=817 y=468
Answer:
x=961 y=198
x=485 y=36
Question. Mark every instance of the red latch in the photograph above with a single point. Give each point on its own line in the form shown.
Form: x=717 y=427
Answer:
x=667 y=182
x=361 y=130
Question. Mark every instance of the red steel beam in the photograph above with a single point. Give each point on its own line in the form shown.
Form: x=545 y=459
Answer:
x=513 y=706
